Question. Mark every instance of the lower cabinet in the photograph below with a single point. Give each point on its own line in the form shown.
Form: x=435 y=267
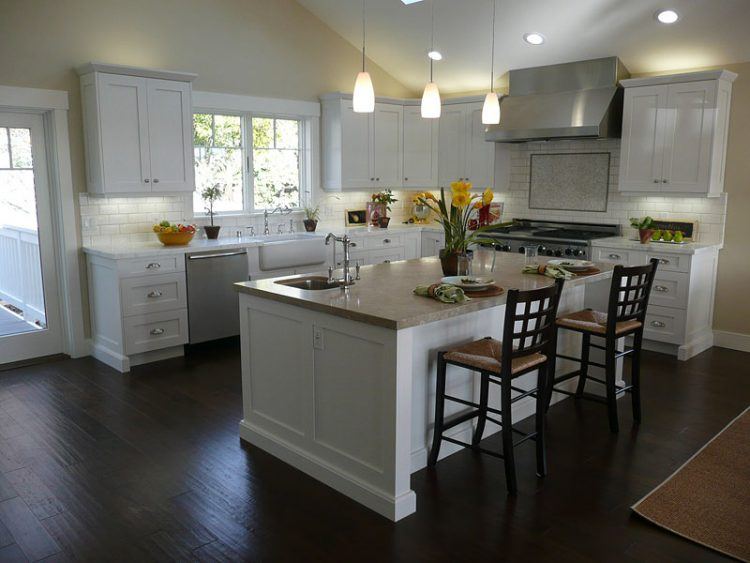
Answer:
x=376 y=248
x=432 y=243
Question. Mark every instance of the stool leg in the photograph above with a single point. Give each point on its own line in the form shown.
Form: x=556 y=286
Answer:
x=585 y=348
x=437 y=435
x=508 y=457
x=635 y=375
x=611 y=374
x=484 y=393
x=541 y=456
x=550 y=383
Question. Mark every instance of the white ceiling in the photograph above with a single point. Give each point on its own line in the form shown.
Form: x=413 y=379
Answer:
x=709 y=32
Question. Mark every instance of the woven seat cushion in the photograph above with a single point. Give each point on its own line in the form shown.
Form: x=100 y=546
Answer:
x=589 y=320
x=486 y=355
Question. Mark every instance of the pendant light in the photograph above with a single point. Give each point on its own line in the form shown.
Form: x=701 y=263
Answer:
x=491 y=108
x=363 y=99
x=431 y=95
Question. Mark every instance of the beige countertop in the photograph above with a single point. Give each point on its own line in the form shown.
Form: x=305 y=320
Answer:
x=384 y=296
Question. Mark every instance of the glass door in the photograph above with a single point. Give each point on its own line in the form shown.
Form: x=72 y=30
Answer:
x=29 y=308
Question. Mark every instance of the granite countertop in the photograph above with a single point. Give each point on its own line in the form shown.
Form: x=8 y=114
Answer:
x=198 y=244
x=384 y=296
x=670 y=248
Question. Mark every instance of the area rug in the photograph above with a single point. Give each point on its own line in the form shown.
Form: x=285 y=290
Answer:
x=707 y=500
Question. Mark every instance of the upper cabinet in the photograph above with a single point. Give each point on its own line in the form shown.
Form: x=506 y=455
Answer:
x=463 y=152
x=674 y=133
x=138 y=130
x=394 y=147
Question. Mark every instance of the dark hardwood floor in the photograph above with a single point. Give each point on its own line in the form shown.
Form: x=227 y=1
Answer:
x=99 y=466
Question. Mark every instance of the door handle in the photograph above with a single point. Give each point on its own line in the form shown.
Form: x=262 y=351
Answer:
x=156 y=331
x=615 y=256
x=658 y=324
x=153 y=266
x=217 y=255
x=663 y=261
x=154 y=294
x=661 y=288
x=156 y=180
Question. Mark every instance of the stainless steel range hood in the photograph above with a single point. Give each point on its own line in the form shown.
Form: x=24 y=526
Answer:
x=565 y=101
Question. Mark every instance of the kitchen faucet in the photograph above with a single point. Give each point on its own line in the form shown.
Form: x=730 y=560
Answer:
x=346 y=242
x=266 y=213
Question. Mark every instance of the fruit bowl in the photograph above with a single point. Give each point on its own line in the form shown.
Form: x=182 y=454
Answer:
x=175 y=239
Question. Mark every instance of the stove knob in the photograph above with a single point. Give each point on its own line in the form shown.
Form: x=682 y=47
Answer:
x=568 y=251
x=579 y=252
x=506 y=248
x=542 y=249
x=521 y=249
x=549 y=252
x=558 y=252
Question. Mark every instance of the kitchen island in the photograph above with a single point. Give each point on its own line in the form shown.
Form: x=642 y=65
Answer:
x=340 y=383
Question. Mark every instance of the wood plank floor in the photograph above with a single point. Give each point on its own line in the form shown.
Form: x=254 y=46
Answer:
x=97 y=466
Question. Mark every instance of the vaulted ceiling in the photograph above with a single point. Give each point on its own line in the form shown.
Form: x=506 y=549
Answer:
x=709 y=32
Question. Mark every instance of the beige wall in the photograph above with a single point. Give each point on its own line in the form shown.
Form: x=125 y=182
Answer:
x=271 y=48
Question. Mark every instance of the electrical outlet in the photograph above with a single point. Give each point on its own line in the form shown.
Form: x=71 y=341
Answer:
x=317 y=339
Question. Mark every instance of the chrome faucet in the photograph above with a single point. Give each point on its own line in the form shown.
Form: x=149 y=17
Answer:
x=283 y=211
x=347 y=243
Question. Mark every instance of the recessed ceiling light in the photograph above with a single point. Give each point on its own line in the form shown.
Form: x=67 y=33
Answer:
x=435 y=55
x=667 y=16
x=533 y=38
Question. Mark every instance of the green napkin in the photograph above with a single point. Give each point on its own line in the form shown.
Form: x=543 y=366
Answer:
x=547 y=270
x=444 y=292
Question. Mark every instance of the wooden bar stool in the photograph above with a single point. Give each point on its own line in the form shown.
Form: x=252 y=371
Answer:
x=626 y=312
x=527 y=346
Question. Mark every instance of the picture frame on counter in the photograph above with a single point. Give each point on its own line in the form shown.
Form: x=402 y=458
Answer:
x=356 y=217
x=375 y=211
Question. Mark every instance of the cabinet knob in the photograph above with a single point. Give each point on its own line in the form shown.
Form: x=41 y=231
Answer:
x=154 y=294
x=377 y=179
x=406 y=179
x=386 y=261
x=656 y=180
x=661 y=289
x=156 y=331
x=153 y=266
x=156 y=180
x=658 y=324
x=615 y=256
x=386 y=240
x=146 y=180
x=664 y=181
x=352 y=244
x=663 y=261
x=372 y=179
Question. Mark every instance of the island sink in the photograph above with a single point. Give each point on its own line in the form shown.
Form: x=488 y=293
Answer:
x=310 y=283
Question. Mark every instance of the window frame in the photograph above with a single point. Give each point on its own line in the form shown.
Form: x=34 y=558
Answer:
x=305 y=151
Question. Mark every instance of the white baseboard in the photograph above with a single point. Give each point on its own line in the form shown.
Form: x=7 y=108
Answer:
x=110 y=357
x=732 y=340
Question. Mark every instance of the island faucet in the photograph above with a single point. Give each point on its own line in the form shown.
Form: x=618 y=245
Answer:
x=347 y=243
x=283 y=211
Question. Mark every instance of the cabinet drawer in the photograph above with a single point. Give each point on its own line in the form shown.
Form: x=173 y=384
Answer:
x=670 y=289
x=385 y=256
x=151 y=294
x=384 y=241
x=144 y=333
x=151 y=265
x=670 y=262
x=616 y=256
x=665 y=324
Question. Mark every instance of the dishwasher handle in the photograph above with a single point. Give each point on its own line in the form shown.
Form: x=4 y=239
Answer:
x=217 y=255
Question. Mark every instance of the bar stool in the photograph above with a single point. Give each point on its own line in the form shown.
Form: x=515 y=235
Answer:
x=626 y=312
x=527 y=345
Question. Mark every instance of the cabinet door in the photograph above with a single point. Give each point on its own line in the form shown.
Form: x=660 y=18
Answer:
x=480 y=154
x=432 y=243
x=387 y=138
x=689 y=135
x=356 y=148
x=420 y=149
x=451 y=141
x=170 y=135
x=123 y=114
x=641 y=155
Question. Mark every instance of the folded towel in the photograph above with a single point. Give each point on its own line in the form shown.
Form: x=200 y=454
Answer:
x=547 y=270
x=444 y=292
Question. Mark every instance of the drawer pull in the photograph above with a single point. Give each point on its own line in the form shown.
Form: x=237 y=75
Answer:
x=153 y=266
x=154 y=294
x=661 y=288
x=386 y=241
x=663 y=261
x=615 y=256
x=156 y=331
x=352 y=244
x=386 y=261
x=658 y=324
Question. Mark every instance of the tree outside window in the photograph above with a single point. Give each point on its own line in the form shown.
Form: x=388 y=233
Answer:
x=217 y=142
x=276 y=164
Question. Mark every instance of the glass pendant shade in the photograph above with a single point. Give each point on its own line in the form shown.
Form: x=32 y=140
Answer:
x=491 y=109
x=363 y=100
x=431 y=101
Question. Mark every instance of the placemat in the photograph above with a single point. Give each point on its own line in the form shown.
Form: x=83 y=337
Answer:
x=589 y=272
x=491 y=291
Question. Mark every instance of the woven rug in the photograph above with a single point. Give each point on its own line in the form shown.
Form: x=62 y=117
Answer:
x=707 y=500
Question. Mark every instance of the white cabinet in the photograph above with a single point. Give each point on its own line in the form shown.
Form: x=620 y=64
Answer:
x=432 y=243
x=420 y=149
x=138 y=130
x=361 y=150
x=463 y=152
x=376 y=248
x=674 y=133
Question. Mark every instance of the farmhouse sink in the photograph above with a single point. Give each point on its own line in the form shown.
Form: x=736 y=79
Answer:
x=291 y=253
x=310 y=283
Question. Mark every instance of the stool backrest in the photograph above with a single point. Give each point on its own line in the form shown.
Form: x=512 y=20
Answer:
x=530 y=321
x=629 y=293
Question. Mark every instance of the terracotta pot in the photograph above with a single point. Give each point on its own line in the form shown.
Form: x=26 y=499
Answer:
x=212 y=231
x=383 y=221
x=645 y=235
x=449 y=262
x=310 y=225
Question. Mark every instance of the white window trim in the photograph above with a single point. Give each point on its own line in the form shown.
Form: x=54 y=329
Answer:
x=308 y=113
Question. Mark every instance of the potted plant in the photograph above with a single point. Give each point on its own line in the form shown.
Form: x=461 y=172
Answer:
x=645 y=228
x=455 y=222
x=312 y=214
x=210 y=195
x=385 y=199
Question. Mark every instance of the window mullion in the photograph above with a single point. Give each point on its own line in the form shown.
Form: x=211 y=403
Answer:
x=249 y=183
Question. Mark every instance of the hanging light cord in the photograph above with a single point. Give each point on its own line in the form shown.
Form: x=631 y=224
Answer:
x=492 y=56
x=363 y=35
x=432 y=34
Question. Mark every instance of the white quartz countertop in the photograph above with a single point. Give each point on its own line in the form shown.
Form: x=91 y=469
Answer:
x=201 y=244
x=384 y=296
x=665 y=247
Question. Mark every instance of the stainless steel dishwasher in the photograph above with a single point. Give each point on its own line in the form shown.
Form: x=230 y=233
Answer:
x=213 y=310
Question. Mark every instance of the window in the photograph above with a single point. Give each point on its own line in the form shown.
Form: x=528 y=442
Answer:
x=274 y=154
